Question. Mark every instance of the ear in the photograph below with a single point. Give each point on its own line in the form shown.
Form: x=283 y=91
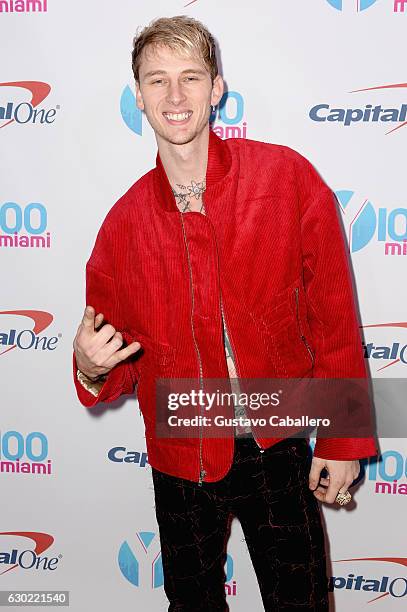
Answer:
x=217 y=90
x=139 y=97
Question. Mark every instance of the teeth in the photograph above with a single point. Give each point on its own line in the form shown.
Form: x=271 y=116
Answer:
x=177 y=116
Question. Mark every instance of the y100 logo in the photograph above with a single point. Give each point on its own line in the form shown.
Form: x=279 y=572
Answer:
x=27 y=339
x=342 y=5
x=26 y=558
x=388 y=472
x=24 y=227
x=362 y=5
x=24 y=454
x=365 y=223
x=23 y=6
x=24 y=111
x=227 y=120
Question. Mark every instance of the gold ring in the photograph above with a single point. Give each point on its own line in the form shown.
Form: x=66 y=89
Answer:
x=343 y=498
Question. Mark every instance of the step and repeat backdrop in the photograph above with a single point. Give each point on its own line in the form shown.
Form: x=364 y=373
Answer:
x=325 y=77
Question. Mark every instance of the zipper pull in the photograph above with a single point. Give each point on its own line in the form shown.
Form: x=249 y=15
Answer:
x=201 y=476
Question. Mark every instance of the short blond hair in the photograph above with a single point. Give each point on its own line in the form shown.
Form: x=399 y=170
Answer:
x=180 y=33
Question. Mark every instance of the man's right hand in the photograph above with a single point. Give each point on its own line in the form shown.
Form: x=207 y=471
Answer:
x=98 y=351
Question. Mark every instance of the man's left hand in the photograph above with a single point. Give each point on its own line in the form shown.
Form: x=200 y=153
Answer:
x=341 y=474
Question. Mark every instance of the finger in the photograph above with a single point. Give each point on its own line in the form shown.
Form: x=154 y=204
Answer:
x=314 y=475
x=102 y=337
x=98 y=320
x=345 y=486
x=88 y=319
x=320 y=493
x=126 y=352
x=106 y=345
x=333 y=489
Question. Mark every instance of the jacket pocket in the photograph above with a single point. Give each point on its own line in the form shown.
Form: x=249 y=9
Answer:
x=274 y=317
x=282 y=329
x=158 y=358
x=301 y=325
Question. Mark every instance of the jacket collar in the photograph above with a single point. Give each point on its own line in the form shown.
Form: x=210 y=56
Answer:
x=219 y=166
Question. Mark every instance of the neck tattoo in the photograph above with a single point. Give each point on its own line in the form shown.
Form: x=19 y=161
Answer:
x=188 y=196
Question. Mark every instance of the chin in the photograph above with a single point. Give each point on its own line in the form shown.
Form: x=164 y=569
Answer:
x=179 y=139
x=182 y=139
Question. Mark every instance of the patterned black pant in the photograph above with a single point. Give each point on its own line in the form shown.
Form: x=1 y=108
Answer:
x=268 y=492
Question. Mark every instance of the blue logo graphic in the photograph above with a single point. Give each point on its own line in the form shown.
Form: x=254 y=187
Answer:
x=389 y=466
x=389 y=225
x=132 y=116
x=24 y=226
x=13 y=446
x=362 y=4
x=129 y=564
x=31 y=219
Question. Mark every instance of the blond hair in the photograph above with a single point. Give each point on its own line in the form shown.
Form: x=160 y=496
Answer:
x=182 y=34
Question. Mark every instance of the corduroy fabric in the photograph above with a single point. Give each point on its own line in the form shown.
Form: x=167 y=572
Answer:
x=271 y=245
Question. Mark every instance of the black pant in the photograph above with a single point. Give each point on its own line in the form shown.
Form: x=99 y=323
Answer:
x=268 y=492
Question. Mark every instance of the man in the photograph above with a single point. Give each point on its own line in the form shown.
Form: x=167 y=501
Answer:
x=225 y=260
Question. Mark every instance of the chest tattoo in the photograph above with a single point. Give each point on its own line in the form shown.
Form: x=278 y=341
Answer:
x=188 y=195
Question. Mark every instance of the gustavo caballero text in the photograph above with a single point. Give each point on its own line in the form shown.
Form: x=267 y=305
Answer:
x=223 y=421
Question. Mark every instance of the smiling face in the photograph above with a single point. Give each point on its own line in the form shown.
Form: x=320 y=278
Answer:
x=176 y=92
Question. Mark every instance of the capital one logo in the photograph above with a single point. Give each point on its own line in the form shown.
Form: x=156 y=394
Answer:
x=354 y=5
x=24 y=111
x=27 y=558
x=364 y=223
x=368 y=114
x=389 y=354
x=373 y=587
x=143 y=566
x=11 y=337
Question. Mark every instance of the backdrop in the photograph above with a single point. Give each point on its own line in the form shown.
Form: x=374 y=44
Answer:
x=324 y=77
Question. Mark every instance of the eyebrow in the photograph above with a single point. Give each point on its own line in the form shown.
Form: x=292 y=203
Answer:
x=162 y=72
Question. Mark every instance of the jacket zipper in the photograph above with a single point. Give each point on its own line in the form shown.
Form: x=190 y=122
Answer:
x=235 y=360
x=202 y=472
x=303 y=338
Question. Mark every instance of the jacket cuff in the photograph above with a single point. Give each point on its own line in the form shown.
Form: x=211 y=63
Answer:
x=110 y=390
x=345 y=449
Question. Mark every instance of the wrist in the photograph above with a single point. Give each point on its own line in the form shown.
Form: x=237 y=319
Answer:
x=93 y=386
x=92 y=379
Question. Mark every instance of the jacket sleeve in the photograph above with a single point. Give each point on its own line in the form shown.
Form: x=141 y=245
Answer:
x=332 y=314
x=101 y=293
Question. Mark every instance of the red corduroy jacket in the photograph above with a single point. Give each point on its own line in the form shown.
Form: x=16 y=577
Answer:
x=271 y=246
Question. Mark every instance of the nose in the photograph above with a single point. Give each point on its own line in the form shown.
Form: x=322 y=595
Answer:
x=175 y=94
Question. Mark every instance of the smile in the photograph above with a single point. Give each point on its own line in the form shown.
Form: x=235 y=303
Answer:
x=178 y=117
